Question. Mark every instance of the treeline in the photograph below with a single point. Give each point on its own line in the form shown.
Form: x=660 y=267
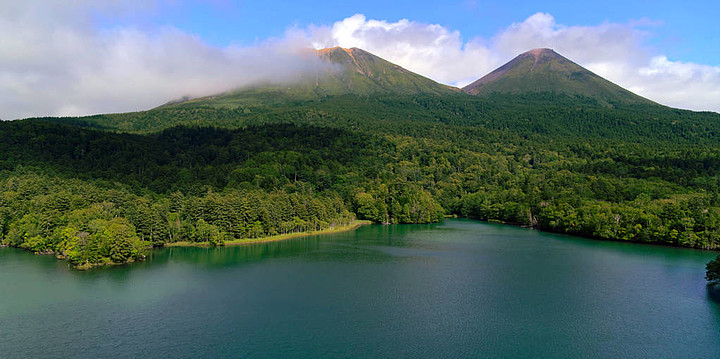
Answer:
x=91 y=225
x=686 y=221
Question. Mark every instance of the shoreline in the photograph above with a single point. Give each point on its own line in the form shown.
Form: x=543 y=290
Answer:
x=616 y=240
x=279 y=237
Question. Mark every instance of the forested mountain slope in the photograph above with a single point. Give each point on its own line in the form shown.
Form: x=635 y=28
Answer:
x=544 y=70
x=99 y=189
x=340 y=72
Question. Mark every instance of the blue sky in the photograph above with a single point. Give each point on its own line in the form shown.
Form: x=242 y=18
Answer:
x=687 y=31
x=80 y=57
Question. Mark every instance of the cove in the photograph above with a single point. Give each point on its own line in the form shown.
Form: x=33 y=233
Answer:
x=460 y=288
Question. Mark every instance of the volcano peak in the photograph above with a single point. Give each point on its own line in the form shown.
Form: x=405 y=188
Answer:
x=544 y=70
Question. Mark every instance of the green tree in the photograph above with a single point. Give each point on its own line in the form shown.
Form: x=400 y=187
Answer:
x=712 y=273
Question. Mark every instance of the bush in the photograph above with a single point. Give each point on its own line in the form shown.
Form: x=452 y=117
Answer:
x=713 y=272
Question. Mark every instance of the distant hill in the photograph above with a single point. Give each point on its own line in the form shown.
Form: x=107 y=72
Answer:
x=342 y=72
x=544 y=70
x=361 y=72
x=537 y=93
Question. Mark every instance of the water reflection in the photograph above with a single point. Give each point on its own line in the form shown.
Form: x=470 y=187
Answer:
x=714 y=294
x=364 y=244
x=459 y=289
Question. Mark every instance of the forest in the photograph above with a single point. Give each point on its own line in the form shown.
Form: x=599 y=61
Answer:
x=104 y=189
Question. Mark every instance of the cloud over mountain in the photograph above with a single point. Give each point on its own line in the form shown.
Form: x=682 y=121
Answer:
x=614 y=51
x=55 y=60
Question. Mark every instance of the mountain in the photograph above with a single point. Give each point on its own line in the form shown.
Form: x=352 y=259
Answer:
x=539 y=92
x=364 y=138
x=544 y=70
x=340 y=72
x=358 y=71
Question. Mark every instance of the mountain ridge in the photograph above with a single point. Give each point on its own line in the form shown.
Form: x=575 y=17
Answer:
x=342 y=71
x=544 y=70
x=354 y=71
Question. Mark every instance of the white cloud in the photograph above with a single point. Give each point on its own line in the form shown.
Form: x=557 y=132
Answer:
x=614 y=51
x=685 y=85
x=431 y=50
x=54 y=61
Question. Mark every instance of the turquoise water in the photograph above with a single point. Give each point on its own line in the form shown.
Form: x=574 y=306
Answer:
x=457 y=289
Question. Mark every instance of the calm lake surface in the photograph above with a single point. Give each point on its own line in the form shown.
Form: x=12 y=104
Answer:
x=457 y=289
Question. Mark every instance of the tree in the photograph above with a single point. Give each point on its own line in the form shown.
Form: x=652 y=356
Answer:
x=209 y=233
x=366 y=206
x=123 y=240
x=713 y=272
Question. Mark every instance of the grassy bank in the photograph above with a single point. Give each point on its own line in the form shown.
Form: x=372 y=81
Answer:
x=279 y=237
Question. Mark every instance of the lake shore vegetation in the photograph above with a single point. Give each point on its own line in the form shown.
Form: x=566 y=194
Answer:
x=103 y=189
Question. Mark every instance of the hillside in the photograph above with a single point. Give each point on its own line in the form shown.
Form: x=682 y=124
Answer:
x=544 y=70
x=342 y=72
x=538 y=93
x=357 y=71
x=380 y=144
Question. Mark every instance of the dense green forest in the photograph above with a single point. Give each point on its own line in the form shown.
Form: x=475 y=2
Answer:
x=498 y=117
x=102 y=189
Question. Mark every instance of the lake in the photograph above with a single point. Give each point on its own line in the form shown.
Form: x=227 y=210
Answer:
x=456 y=289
